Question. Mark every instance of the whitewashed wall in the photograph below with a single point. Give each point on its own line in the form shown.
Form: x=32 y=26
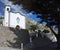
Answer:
x=6 y=16
x=13 y=20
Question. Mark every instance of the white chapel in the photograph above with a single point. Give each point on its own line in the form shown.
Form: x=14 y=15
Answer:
x=12 y=19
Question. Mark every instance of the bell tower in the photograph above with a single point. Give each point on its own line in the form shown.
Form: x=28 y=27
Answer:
x=7 y=15
x=7 y=8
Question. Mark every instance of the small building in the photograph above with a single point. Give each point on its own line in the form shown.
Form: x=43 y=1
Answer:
x=12 y=19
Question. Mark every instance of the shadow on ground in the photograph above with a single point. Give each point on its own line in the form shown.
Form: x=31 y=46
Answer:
x=22 y=37
x=40 y=43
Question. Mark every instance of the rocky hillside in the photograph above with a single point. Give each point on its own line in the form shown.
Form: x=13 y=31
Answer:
x=6 y=35
x=13 y=38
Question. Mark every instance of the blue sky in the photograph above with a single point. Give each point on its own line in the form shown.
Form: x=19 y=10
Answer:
x=1 y=9
x=15 y=9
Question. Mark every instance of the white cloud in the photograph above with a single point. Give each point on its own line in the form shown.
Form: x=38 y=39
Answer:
x=29 y=14
x=17 y=8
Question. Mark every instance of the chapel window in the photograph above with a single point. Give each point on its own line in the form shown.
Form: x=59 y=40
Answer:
x=18 y=19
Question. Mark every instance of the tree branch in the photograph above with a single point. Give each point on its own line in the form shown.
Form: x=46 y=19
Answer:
x=52 y=31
